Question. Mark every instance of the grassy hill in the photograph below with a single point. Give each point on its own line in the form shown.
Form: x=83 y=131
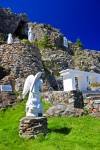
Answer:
x=65 y=133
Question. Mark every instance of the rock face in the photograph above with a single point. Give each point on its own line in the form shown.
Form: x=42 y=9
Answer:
x=12 y=23
x=7 y=99
x=40 y=30
x=31 y=127
x=86 y=60
x=21 y=60
x=57 y=58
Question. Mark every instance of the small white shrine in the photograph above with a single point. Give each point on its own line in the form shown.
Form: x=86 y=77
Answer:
x=80 y=80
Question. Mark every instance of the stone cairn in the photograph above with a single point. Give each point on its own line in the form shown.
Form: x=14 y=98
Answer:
x=31 y=127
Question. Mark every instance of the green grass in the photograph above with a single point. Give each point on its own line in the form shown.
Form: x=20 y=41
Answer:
x=64 y=133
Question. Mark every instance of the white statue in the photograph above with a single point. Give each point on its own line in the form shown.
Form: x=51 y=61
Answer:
x=30 y=34
x=33 y=85
x=65 y=41
x=10 y=39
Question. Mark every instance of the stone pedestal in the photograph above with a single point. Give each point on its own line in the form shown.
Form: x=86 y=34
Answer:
x=31 y=127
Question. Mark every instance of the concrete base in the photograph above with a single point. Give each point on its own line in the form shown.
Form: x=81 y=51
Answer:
x=31 y=127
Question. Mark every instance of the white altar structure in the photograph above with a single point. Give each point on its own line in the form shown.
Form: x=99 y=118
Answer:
x=79 y=80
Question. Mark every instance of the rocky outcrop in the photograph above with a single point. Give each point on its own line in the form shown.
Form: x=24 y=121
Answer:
x=41 y=30
x=86 y=60
x=55 y=56
x=12 y=23
x=21 y=60
x=55 y=60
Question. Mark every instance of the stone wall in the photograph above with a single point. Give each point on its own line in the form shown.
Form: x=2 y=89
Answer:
x=62 y=97
x=31 y=127
x=64 y=103
x=7 y=99
x=21 y=60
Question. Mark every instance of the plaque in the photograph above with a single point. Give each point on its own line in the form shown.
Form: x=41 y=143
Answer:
x=6 y=88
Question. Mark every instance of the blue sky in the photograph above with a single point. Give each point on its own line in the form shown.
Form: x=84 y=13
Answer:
x=74 y=18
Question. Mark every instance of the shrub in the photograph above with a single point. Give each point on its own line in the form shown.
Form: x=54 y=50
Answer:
x=79 y=43
x=27 y=42
x=44 y=42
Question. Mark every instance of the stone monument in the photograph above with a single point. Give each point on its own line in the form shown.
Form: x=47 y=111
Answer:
x=10 y=39
x=34 y=123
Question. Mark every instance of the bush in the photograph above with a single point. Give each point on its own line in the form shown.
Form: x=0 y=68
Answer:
x=44 y=42
x=27 y=42
x=79 y=43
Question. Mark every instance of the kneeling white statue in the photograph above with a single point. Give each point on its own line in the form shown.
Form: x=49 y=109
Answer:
x=33 y=85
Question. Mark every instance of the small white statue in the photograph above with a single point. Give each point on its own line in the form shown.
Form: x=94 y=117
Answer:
x=65 y=41
x=10 y=39
x=33 y=85
x=30 y=34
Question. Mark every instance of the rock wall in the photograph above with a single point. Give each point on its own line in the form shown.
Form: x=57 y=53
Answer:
x=7 y=99
x=31 y=127
x=55 y=57
x=65 y=103
x=21 y=60
x=17 y=61
x=86 y=60
x=55 y=60
x=10 y=21
x=61 y=97
x=40 y=30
